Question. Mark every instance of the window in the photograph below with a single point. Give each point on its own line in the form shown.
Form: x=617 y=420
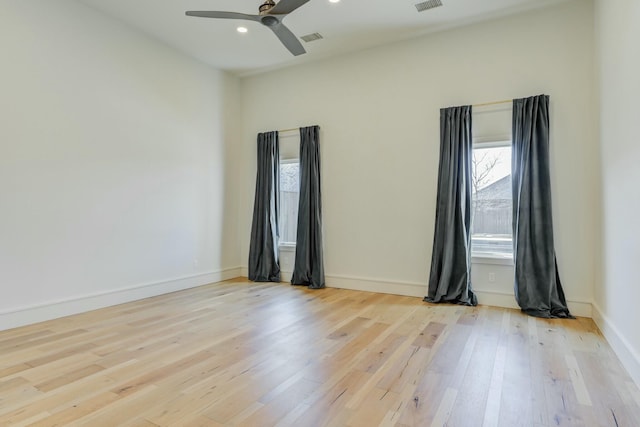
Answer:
x=289 y=196
x=491 y=231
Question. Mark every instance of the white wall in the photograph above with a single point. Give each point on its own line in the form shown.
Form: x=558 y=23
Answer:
x=379 y=114
x=115 y=156
x=617 y=296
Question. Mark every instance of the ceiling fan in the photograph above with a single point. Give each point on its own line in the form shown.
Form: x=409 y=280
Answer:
x=271 y=16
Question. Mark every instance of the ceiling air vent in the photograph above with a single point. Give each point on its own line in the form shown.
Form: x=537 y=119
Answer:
x=429 y=4
x=312 y=37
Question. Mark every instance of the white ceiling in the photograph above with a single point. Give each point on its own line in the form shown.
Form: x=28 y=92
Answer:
x=346 y=26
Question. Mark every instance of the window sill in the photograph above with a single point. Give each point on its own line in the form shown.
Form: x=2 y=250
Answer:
x=287 y=247
x=494 y=260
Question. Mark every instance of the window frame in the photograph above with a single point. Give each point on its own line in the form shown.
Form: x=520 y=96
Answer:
x=484 y=257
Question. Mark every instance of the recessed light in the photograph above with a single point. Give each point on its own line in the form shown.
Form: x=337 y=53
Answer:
x=242 y=29
x=334 y=1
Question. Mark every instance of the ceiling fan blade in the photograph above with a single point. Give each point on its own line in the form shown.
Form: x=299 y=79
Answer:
x=286 y=6
x=223 y=15
x=288 y=39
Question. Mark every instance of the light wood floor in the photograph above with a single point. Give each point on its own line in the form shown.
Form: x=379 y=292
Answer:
x=245 y=354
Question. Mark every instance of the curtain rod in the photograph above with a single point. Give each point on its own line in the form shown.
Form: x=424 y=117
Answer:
x=287 y=130
x=505 y=101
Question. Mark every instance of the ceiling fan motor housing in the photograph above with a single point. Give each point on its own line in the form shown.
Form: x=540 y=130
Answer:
x=269 y=21
x=266 y=7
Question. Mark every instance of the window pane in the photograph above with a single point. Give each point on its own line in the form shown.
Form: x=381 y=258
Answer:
x=289 y=195
x=492 y=205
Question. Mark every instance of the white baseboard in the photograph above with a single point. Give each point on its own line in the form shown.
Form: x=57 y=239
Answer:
x=580 y=308
x=409 y=289
x=22 y=316
x=415 y=289
x=621 y=346
x=508 y=300
x=495 y=299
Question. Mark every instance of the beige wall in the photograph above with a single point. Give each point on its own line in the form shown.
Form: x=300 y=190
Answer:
x=379 y=114
x=115 y=167
x=617 y=295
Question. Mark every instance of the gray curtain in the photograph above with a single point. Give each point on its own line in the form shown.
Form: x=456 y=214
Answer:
x=263 y=249
x=309 y=263
x=537 y=282
x=450 y=280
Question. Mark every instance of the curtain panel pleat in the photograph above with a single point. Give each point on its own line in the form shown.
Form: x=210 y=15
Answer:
x=309 y=262
x=537 y=282
x=450 y=279
x=264 y=265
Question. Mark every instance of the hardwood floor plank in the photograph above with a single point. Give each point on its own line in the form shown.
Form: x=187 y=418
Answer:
x=494 y=399
x=429 y=335
x=54 y=370
x=13 y=369
x=516 y=404
x=373 y=409
x=77 y=411
x=423 y=404
x=266 y=354
x=32 y=420
x=327 y=408
x=407 y=368
x=67 y=352
x=277 y=408
x=16 y=409
x=540 y=415
x=577 y=380
x=445 y=408
x=68 y=378
x=198 y=421
x=18 y=336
